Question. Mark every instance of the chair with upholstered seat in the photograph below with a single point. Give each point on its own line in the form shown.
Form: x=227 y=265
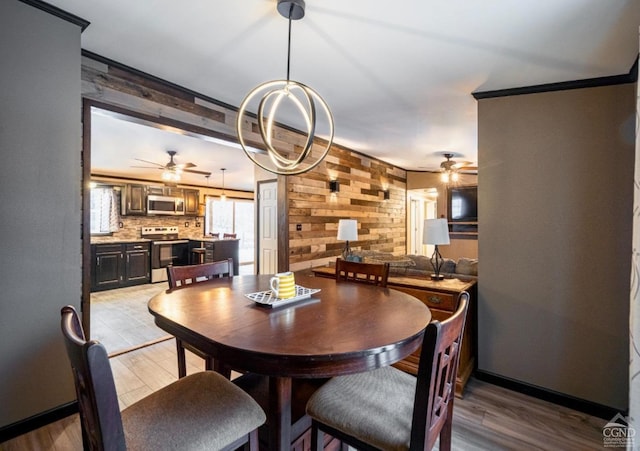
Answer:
x=372 y=273
x=389 y=409
x=183 y=276
x=201 y=411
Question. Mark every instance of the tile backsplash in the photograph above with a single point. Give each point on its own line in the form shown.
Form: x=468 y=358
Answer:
x=132 y=226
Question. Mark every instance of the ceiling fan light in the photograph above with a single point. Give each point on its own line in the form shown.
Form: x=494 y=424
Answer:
x=170 y=176
x=455 y=176
x=444 y=177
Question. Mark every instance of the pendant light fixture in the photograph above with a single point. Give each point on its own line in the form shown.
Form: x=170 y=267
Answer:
x=304 y=100
x=223 y=196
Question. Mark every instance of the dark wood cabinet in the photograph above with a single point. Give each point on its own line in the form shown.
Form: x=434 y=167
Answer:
x=107 y=266
x=191 y=202
x=134 y=199
x=119 y=265
x=136 y=268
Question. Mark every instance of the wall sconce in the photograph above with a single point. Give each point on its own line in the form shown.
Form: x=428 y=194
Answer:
x=334 y=186
x=385 y=194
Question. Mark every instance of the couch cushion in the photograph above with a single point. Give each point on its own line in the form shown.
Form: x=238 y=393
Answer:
x=369 y=253
x=467 y=266
x=400 y=261
x=423 y=263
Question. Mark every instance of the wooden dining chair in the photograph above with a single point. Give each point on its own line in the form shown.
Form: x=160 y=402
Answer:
x=228 y=236
x=183 y=276
x=372 y=273
x=390 y=409
x=201 y=411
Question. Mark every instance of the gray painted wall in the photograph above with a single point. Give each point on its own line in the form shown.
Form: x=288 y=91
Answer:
x=555 y=200
x=40 y=185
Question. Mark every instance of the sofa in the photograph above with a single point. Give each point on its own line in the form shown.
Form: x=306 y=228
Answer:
x=420 y=265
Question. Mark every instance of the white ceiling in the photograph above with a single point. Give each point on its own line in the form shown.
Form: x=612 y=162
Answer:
x=118 y=144
x=398 y=76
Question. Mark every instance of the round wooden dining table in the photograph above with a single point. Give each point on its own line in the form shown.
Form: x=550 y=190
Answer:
x=345 y=328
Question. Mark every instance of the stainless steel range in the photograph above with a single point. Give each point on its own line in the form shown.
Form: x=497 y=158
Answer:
x=166 y=249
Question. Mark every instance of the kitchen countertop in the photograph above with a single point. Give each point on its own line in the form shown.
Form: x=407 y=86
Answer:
x=115 y=240
x=209 y=239
x=112 y=240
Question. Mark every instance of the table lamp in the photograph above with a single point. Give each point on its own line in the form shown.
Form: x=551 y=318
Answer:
x=436 y=232
x=347 y=231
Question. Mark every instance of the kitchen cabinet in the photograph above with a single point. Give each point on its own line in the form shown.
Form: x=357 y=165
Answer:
x=116 y=265
x=107 y=266
x=136 y=267
x=134 y=199
x=173 y=191
x=191 y=202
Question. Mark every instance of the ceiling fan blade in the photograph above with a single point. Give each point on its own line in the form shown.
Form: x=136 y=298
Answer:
x=150 y=162
x=147 y=167
x=185 y=165
x=461 y=164
x=193 y=171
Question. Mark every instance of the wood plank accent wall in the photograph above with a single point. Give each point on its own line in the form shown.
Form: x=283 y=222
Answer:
x=314 y=209
x=306 y=197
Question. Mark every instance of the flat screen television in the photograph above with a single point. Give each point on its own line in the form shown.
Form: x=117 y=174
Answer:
x=462 y=204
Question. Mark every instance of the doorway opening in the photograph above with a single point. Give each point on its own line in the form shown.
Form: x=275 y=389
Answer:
x=422 y=204
x=121 y=313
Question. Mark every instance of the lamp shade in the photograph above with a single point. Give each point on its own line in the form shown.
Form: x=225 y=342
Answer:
x=348 y=230
x=435 y=231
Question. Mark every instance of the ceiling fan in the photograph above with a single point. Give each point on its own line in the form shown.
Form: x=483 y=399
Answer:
x=172 y=170
x=450 y=169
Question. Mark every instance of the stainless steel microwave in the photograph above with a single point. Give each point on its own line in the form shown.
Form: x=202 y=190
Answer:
x=164 y=205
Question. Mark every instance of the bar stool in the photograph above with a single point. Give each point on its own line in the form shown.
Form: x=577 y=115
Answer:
x=197 y=256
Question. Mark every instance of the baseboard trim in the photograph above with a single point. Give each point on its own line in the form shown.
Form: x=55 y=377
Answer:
x=37 y=421
x=581 y=405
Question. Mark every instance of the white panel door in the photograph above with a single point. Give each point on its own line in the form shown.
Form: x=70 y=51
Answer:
x=268 y=233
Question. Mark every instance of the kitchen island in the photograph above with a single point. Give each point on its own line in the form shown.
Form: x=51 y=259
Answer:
x=216 y=250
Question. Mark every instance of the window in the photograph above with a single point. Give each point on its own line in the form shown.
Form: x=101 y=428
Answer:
x=104 y=210
x=233 y=216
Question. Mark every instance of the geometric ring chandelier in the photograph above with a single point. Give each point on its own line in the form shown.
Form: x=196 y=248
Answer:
x=270 y=96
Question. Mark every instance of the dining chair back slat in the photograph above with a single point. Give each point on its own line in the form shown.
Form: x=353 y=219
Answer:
x=371 y=273
x=181 y=276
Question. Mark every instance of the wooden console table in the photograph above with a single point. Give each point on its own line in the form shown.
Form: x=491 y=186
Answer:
x=441 y=297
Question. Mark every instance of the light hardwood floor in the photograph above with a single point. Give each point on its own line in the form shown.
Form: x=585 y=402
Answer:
x=120 y=319
x=487 y=418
